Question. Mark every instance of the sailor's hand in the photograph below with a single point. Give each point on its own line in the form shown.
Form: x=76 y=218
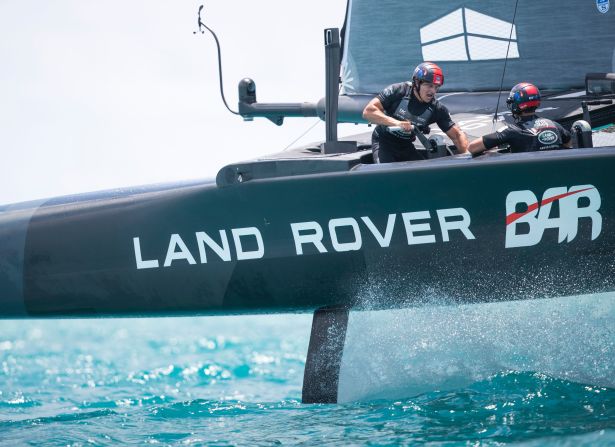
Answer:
x=402 y=126
x=405 y=126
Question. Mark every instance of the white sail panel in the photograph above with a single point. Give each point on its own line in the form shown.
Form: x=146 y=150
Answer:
x=446 y=50
x=483 y=48
x=449 y=25
x=477 y=23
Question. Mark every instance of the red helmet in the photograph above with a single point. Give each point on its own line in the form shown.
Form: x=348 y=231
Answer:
x=427 y=72
x=524 y=97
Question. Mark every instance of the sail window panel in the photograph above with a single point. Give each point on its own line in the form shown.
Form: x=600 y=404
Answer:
x=481 y=48
x=385 y=42
x=449 y=25
x=477 y=23
x=446 y=50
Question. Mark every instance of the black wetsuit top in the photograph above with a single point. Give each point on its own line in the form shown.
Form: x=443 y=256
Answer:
x=529 y=134
x=399 y=102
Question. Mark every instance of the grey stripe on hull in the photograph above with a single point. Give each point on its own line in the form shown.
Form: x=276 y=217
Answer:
x=14 y=221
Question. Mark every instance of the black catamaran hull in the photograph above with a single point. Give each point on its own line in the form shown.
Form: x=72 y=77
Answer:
x=497 y=228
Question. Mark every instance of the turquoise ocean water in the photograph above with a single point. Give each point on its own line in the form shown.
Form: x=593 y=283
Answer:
x=237 y=381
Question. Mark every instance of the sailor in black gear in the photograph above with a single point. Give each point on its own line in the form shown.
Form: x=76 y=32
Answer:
x=412 y=106
x=529 y=133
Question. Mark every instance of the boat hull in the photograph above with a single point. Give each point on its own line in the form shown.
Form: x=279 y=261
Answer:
x=406 y=234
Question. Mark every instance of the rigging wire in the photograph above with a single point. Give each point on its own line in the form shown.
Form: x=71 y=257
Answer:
x=339 y=89
x=512 y=27
x=303 y=134
x=201 y=26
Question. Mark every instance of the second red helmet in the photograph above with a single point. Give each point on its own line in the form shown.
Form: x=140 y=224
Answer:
x=523 y=97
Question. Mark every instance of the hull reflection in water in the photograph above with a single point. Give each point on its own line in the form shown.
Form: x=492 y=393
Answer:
x=401 y=353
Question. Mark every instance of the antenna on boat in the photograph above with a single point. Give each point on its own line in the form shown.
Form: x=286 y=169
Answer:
x=249 y=108
x=512 y=27
x=202 y=25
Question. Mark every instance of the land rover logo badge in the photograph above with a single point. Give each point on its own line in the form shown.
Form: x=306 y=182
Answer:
x=547 y=137
x=602 y=5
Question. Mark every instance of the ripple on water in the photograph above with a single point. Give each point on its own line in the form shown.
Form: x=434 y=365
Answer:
x=203 y=390
x=59 y=418
x=17 y=400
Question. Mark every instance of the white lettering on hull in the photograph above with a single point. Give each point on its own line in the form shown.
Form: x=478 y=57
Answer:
x=412 y=228
x=141 y=264
x=537 y=215
x=462 y=225
x=416 y=225
x=314 y=236
x=242 y=254
x=421 y=227
x=174 y=255
x=178 y=249
x=223 y=251
x=383 y=240
x=334 y=224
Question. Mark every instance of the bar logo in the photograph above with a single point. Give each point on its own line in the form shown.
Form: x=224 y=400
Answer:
x=527 y=218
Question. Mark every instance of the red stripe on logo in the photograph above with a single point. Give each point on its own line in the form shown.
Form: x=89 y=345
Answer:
x=515 y=216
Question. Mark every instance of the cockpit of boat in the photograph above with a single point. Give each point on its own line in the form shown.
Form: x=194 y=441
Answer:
x=582 y=101
x=589 y=115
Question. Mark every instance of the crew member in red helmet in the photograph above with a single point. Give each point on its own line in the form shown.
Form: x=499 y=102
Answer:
x=405 y=103
x=529 y=132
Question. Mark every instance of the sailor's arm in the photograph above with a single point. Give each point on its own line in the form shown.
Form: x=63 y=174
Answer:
x=490 y=141
x=477 y=146
x=374 y=113
x=459 y=138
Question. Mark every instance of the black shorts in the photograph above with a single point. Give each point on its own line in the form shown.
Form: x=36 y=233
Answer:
x=385 y=151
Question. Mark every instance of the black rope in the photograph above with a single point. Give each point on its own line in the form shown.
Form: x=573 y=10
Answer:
x=201 y=26
x=512 y=27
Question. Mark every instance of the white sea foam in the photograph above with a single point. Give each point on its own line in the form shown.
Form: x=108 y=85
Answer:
x=400 y=353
